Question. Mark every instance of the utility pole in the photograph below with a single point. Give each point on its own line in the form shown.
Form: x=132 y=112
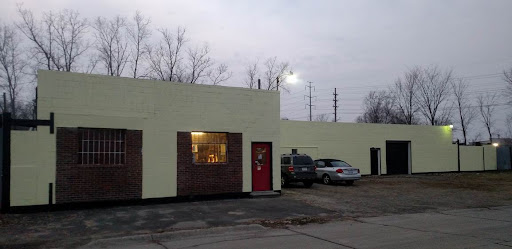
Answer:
x=335 y=105
x=310 y=97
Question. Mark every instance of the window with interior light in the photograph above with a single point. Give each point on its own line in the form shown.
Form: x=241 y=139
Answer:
x=209 y=147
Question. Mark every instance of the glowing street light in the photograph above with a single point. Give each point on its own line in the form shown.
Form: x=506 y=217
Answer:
x=495 y=144
x=292 y=78
x=451 y=126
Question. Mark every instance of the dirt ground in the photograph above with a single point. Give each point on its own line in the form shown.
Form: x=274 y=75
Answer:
x=385 y=195
x=371 y=196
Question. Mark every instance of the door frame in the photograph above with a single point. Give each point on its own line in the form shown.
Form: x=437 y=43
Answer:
x=379 y=160
x=271 y=165
x=409 y=154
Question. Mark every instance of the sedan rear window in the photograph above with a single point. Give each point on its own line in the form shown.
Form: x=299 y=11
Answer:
x=302 y=160
x=340 y=164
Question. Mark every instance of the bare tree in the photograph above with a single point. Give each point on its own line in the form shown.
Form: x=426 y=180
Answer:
x=199 y=61
x=12 y=66
x=70 y=32
x=165 y=60
x=476 y=138
x=275 y=74
x=26 y=110
x=378 y=108
x=112 y=44
x=219 y=74
x=138 y=33
x=252 y=74
x=58 y=38
x=325 y=117
x=487 y=106
x=509 y=126
x=466 y=114
x=404 y=92
x=432 y=95
x=41 y=34
x=507 y=76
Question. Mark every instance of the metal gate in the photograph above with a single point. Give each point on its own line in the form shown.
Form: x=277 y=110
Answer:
x=7 y=123
x=1 y=165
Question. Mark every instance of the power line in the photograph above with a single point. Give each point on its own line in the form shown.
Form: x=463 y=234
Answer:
x=335 y=105
x=310 y=97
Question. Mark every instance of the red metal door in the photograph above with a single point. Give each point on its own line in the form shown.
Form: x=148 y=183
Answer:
x=261 y=168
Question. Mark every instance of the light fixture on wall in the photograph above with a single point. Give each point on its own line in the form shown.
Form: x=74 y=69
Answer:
x=451 y=126
x=495 y=144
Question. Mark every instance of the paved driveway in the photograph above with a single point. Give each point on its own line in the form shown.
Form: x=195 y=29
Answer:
x=473 y=228
x=73 y=228
x=370 y=197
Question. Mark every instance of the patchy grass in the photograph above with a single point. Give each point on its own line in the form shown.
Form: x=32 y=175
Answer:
x=387 y=195
x=488 y=181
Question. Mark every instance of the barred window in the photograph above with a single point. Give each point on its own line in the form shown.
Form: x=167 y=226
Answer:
x=101 y=146
x=209 y=147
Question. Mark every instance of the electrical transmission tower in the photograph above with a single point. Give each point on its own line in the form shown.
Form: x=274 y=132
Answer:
x=310 y=97
x=335 y=105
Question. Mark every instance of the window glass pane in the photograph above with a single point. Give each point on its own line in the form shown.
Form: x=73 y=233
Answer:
x=340 y=164
x=209 y=147
x=302 y=160
x=101 y=146
x=287 y=160
x=261 y=156
x=320 y=164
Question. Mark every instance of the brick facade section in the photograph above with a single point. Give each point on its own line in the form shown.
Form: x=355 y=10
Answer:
x=207 y=179
x=86 y=183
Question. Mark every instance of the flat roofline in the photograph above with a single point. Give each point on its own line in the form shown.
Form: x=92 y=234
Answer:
x=367 y=124
x=50 y=72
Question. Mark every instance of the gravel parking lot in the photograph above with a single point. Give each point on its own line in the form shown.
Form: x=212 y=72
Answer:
x=384 y=195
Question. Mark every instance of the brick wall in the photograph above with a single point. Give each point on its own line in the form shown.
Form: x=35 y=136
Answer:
x=205 y=179
x=82 y=183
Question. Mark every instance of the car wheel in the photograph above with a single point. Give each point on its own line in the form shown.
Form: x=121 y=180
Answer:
x=308 y=184
x=326 y=179
x=284 y=182
x=349 y=183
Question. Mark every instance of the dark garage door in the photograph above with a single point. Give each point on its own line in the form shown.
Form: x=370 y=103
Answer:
x=397 y=157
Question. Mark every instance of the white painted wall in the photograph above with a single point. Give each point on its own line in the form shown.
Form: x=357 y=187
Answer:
x=431 y=146
x=160 y=109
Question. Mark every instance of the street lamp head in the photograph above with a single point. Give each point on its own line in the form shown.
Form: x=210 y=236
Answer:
x=292 y=79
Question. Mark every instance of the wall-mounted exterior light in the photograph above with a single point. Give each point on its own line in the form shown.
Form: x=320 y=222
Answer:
x=495 y=144
x=451 y=126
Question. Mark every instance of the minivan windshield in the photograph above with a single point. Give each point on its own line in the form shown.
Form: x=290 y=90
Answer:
x=340 y=164
x=302 y=160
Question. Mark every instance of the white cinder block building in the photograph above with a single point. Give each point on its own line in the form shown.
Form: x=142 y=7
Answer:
x=122 y=139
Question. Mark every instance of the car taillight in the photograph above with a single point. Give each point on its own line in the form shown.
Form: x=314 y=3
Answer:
x=315 y=167
x=290 y=169
x=339 y=171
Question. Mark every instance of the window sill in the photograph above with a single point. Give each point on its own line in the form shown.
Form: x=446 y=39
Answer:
x=100 y=165
x=210 y=164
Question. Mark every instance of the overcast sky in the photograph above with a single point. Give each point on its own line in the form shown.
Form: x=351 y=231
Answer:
x=355 y=46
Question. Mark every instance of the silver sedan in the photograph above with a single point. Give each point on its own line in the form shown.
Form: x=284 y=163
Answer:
x=334 y=170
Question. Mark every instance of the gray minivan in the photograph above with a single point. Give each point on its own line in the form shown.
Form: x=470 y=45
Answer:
x=297 y=168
